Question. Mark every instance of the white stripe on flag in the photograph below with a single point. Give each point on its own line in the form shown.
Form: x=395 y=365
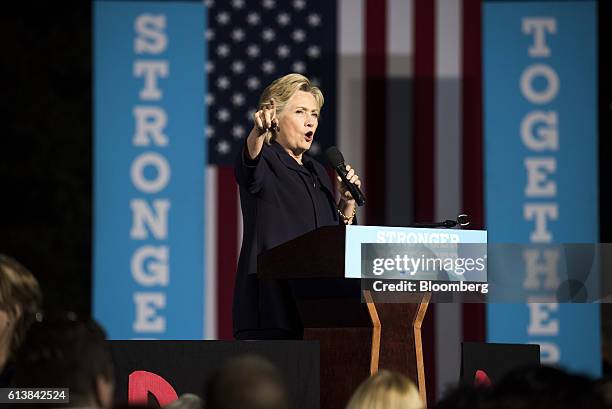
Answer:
x=448 y=174
x=400 y=33
x=351 y=80
x=448 y=109
x=400 y=61
x=211 y=254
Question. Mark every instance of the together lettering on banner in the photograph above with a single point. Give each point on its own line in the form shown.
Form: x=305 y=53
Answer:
x=540 y=135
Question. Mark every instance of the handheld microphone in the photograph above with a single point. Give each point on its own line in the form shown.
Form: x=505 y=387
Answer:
x=336 y=160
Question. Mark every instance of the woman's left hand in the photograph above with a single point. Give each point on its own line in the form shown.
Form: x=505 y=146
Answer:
x=352 y=177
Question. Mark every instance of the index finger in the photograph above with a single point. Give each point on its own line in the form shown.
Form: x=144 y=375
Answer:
x=268 y=104
x=273 y=107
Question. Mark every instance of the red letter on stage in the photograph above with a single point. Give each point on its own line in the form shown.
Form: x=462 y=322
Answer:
x=142 y=382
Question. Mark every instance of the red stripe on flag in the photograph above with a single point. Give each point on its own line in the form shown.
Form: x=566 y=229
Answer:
x=375 y=108
x=473 y=197
x=472 y=114
x=424 y=106
x=423 y=155
x=227 y=249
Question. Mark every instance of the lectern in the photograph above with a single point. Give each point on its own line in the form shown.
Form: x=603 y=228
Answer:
x=357 y=335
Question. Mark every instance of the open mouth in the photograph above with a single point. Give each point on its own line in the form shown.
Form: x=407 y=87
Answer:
x=309 y=136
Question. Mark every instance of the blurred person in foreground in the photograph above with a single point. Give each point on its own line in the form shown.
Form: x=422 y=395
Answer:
x=63 y=352
x=545 y=387
x=530 y=387
x=604 y=389
x=246 y=382
x=386 y=390
x=186 y=401
x=284 y=193
x=465 y=397
x=20 y=301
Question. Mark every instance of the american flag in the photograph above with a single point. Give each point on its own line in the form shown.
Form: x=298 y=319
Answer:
x=402 y=82
x=250 y=45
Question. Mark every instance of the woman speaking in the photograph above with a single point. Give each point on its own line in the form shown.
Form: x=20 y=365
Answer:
x=283 y=194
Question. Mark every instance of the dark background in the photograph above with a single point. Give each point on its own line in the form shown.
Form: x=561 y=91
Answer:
x=46 y=147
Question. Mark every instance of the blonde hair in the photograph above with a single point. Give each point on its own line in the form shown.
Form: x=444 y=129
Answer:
x=282 y=89
x=386 y=390
x=19 y=292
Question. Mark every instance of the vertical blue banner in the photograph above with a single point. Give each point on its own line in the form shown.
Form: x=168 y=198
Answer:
x=540 y=93
x=149 y=156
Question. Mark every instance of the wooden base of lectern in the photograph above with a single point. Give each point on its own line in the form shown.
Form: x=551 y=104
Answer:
x=379 y=336
x=401 y=337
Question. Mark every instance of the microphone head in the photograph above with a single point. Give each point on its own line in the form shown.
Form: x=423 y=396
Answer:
x=334 y=157
x=463 y=220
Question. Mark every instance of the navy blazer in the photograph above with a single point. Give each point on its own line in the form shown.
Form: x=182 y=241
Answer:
x=280 y=201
